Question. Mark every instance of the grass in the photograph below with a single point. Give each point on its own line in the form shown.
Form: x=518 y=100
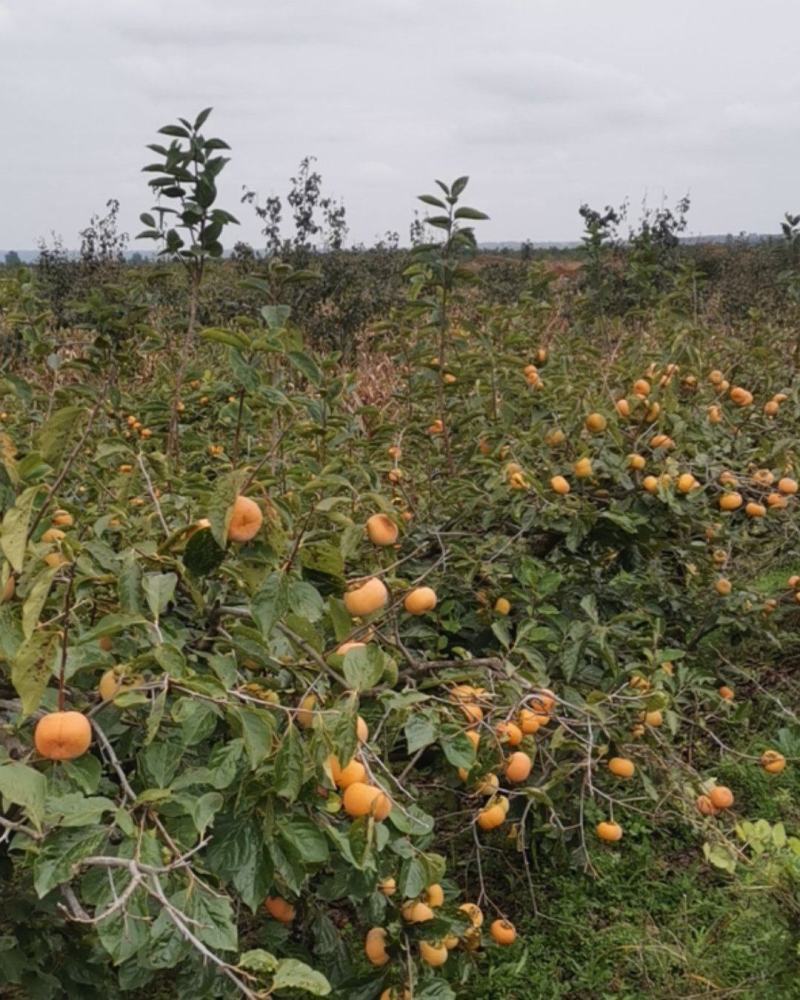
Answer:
x=659 y=923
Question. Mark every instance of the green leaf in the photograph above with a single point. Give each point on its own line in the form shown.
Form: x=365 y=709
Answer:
x=259 y=961
x=469 y=213
x=271 y=603
x=202 y=554
x=306 y=838
x=32 y=668
x=75 y=809
x=229 y=337
x=204 y=809
x=63 y=850
x=305 y=364
x=276 y=317
x=420 y=730
x=159 y=589
x=289 y=767
x=258 y=728
x=305 y=600
x=457 y=749
x=293 y=974
x=111 y=624
x=220 y=505
x=363 y=667
x=26 y=787
x=16 y=523
x=62 y=426
x=36 y=600
x=237 y=854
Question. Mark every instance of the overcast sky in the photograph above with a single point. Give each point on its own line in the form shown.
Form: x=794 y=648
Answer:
x=544 y=103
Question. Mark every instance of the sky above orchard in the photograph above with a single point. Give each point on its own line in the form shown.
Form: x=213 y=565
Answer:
x=545 y=104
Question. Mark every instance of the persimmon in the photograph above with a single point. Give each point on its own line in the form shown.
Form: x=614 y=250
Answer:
x=596 y=423
x=559 y=485
x=53 y=535
x=705 y=806
x=420 y=600
x=503 y=932
x=776 y=501
x=366 y=598
x=375 y=946
x=636 y=462
x=726 y=693
x=502 y=606
x=473 y=712
x=246 y=520
x=714 y=414
x=650 y=484
x=621 y=767
x=111 y=684
x=434 y=895
x=280 y=909
x=753 y=509
x=654 y=718
x=543 y=701
x=382 y=530
x=473 y=913
x=773 y=762
x=518 y=767
x=583 y=468
x=641 y=388
x=491 y=816
x=609 y=831
x=306 y=712
x=387 y=886
x=686 y=483
x=345 y=776
x=528 y=721
x=361 y=799
x=362 y=730
x=345 y=647
x=623 y=407
x=62 y=735
x=509 y=732
x=474 y=737
x=433 y=953
x=417 y=912
x=488 y=785
x=723 y=586
x=787 y=486
x=62 y=519
x=555 y=438
x=721 y=797
x=741 y=396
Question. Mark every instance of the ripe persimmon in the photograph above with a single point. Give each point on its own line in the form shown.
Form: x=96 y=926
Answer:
x=280 y=909
x=375 y=946
x=382 y=530
x=721 y=797
x=433 y=953
x=609 y=831
x=420 y=600
x=773 y=762
x=596 y=423
x=62 y=735
x=246 y=520
x=366 y=598
x=518 y=767
x=559 y=485
x=622 y=767
x=361 y=799
x=492 y=816
x=503 y=932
